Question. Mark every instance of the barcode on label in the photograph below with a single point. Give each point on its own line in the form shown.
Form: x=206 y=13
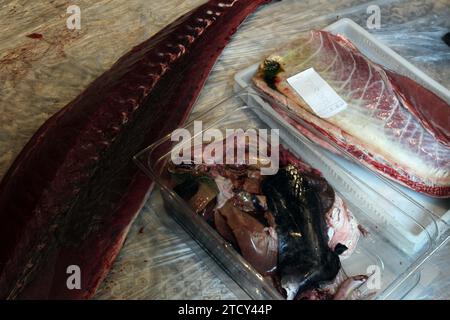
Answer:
x=317 y=93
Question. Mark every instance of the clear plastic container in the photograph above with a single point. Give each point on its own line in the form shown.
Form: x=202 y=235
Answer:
x=398 y=242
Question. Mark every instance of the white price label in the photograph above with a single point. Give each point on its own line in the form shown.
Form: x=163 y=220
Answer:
x=317 y=93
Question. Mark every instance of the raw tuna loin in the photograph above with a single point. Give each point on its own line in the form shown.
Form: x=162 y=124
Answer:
x=72 y=193
x=391 y=124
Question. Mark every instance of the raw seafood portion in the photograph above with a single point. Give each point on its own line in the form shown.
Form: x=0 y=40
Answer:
x=72 y=193
x=285 y=225
x=304 y=258
x=257 y=242
x=342 y=288
x=391 y=124
x=343 y=228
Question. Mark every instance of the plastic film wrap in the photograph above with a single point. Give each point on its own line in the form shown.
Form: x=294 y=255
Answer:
x=38 y=76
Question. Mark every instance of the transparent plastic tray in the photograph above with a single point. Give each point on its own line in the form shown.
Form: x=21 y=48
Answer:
x=389 y=245
x=379 y=53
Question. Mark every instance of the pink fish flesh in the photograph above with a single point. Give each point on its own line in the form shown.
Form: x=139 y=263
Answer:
x=391 y=124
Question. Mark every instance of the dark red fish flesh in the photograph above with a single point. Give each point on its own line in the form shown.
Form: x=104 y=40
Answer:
x=72 y=193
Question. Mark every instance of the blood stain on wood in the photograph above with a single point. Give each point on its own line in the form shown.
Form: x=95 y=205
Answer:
x=35 y=35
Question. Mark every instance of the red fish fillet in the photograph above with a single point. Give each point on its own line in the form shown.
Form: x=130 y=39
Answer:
x=391 y=124
x=72 y=193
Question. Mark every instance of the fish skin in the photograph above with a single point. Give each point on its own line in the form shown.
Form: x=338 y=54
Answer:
x=304 y=258
x=72 y=193
x=420 y=161
x=341 y=230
